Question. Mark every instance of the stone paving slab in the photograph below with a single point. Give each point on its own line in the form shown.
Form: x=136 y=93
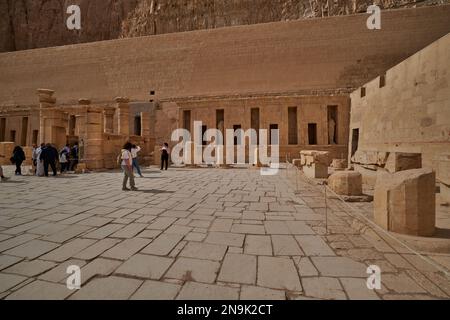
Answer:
x=196 y=234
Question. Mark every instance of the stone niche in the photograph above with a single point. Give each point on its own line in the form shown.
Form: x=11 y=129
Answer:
x=315 y=163
x=347 y=183
x=404 y=202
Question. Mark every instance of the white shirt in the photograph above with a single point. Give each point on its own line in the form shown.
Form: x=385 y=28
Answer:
x=126 y=155
x=134 y=151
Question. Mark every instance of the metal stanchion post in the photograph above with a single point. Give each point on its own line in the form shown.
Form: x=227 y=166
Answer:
x=326 y=211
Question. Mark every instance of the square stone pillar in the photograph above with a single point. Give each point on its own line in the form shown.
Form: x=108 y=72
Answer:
x=145 y=125
x=80 y=122
x=93 y=155
x=108 y=118
x=52 y=121
x=123 y=108
x=405 y=201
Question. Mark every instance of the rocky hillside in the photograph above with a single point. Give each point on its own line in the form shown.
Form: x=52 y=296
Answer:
x=27 y=24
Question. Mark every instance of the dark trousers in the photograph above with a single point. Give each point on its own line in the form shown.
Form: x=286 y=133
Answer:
x=64 y=166
x=19 y=167
x=73 y=164
x=52 y=165
x=164 y=161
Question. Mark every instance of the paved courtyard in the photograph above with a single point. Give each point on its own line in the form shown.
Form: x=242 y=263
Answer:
x=197 y=234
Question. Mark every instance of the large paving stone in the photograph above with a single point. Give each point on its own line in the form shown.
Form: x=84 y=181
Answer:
x=32 y=249
x=30 y=268
x=41 y=290
x=163 y=244
x=156 y=290
x=200 y=291
x=238 y=268
x=225 y=238
x=8 y=281
x=204 y=251
x=340 y=267
x=260 y=293
x=278 y=273
x=323 y=288
x=111 y=288
x=126 y=248
x=314 y=246
x=258 y=245
x=145 y=266
x=194 y=270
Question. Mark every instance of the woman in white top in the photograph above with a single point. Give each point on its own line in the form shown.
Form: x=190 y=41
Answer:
x=134 y=153
x=127 y=167
x=40 y=163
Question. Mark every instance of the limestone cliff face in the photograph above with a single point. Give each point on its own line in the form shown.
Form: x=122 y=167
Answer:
x=28 y=24
x=164 y=16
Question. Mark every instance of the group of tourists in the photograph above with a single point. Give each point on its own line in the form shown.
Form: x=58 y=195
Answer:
x=46 y=155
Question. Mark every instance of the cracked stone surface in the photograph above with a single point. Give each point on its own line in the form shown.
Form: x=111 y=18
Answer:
x=196 y=234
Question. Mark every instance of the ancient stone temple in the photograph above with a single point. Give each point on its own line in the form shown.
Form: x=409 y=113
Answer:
x=401 y=120
x=293 y=76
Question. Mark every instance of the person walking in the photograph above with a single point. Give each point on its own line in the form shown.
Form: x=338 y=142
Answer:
x=134 y=153
x=49 y=155
x=63 y=159
x=18 y=158
x=40 y=163
x=127 y=167
x=165 y=156
x=34 y=157
x=74 y=155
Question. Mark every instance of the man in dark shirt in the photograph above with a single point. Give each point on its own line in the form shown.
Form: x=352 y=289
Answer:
x=49 y=155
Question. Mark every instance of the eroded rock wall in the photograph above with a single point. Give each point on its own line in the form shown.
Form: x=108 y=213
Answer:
x=29 y=24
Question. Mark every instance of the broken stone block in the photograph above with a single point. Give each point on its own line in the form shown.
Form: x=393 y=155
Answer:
x=297 y=162
x=399 y=161
x=404 y=201
x=316 y=171
x=339 y=164
x=445 y=193
x=315 y=163
x=348 y=183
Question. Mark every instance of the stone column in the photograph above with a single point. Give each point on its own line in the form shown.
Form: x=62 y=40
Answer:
x=108 y=115
x=93 y=144
x=124 y=115
x=80 y=122
x=51 y=125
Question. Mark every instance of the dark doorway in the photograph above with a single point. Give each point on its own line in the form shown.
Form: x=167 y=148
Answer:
x=292 y=126
x=312 y=133
x=137 y=125
x=204 y=128
x=35 y=137
x=24 y=132
x=237 y=135
x=273 y=137
x=254 y=118
x=2 y=129
x=332 y=125
x=12 y=136
x=355 y=140
x=187 y=120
